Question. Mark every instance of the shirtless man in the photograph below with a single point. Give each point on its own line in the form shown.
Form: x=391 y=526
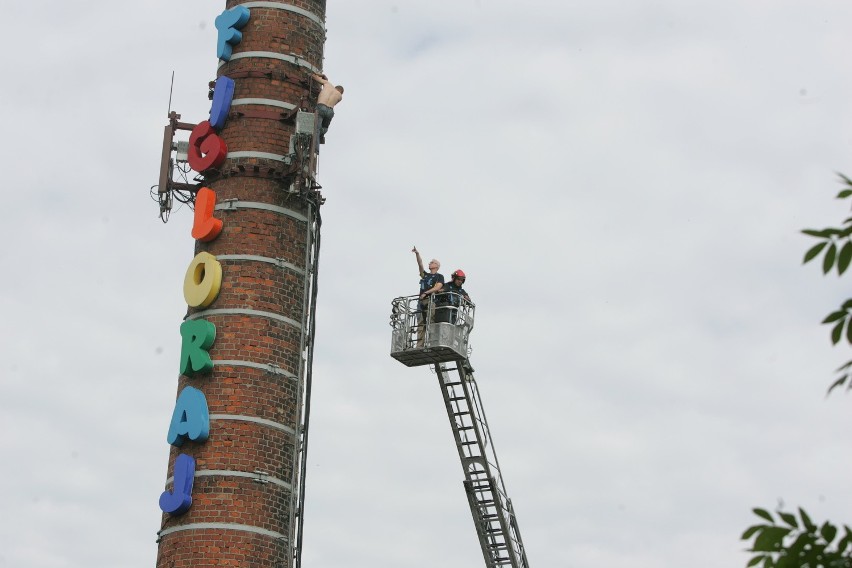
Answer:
x=328 y=97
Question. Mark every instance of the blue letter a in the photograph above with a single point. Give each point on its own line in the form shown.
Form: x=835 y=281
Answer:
x=190 y=419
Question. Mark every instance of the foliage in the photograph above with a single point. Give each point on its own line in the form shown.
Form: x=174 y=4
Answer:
x=791 y=542
x=798 y=542
x=836 y=248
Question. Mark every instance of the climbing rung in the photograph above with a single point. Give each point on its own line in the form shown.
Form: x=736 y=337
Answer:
x=455 y=398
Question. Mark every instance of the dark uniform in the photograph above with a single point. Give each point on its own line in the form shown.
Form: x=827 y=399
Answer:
x=427 y=282
x=449 y=299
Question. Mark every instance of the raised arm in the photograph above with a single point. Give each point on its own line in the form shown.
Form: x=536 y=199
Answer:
x=419 y=261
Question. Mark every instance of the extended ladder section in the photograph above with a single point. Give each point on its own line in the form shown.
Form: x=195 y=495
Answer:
x=490 y=506
x=436 y=333
x=303 y=391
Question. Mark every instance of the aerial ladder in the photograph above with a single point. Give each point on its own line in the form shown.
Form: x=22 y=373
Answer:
x=437 y=335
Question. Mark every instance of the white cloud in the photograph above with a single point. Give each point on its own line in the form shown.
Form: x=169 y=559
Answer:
x=624 y=186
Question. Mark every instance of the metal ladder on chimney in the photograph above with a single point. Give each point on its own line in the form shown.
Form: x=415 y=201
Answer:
x=491 y=508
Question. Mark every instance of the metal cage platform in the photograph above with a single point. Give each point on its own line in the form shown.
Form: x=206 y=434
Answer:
x=432 y=333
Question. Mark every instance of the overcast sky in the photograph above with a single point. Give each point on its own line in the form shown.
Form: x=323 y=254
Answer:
x=622 y=182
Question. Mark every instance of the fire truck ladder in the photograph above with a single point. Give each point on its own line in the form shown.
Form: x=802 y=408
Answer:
x=490 y=506
x=437 y=334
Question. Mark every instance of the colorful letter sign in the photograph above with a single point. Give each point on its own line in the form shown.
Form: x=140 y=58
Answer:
x=197 y=337
x=206 y=149
x=179 y=499
x=205 y=227
x=223 y=94
x=227 y=23
x=202 y=281
x=190 y=419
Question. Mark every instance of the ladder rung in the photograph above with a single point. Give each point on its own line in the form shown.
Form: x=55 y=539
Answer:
x=455 y=398
x=462 y=413
x=484 y=497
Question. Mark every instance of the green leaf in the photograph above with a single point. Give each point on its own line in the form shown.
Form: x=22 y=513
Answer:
x=798 y=548
x=754 y=561
x=826 y=233
x=828 y=531
x=787 y=561
x=834 y=316
x=837 y=332
x=844 y=194
x=844 y=178
x=763 y=514
x=844 y=366
x=769 y=539
x=749 y=532
x=789 y=519
x=843 y=544
x=849 y=334
x=844 y=257
x=814 y=251
x=845 y=541
x=836 y=384
x=828 y=259
x=806 y=520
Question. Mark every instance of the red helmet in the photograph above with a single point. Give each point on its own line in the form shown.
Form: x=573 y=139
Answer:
x=459 y=273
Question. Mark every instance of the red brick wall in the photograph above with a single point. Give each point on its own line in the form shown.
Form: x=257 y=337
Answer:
x=237 y=445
